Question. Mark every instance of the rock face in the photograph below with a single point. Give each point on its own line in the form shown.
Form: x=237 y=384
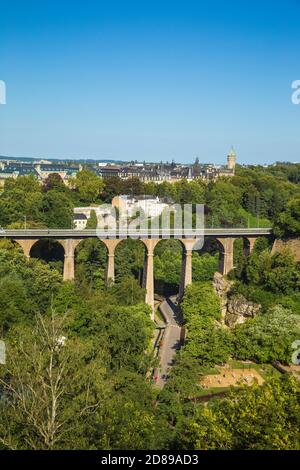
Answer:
x=236 y=309
x=293 y=245
x=222 y=286
x=239 y=309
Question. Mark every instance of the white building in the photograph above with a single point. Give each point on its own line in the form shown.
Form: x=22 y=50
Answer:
x=103 y=213
x=80 y=221
x=151 y=206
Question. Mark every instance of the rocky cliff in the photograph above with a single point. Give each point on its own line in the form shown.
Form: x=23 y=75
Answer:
x=235 y=309
x=293 y=245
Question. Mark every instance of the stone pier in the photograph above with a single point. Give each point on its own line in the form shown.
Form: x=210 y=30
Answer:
x=110 y=271
x=148 y=275
x=251 y=241
x=187 y=264
x=226 y=258
x=26 y=244
x=69 y=246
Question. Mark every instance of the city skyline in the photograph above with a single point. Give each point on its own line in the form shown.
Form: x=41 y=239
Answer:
x=117 y=161
x=129 y=82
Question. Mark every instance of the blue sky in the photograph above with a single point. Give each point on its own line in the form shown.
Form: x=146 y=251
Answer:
x=152 y=80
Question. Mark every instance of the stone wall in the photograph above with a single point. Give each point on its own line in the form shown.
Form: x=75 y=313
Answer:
x=293 y=245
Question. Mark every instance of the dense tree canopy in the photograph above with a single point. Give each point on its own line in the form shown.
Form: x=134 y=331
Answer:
x=88 y=186
x=80 y=355
x=287 y=223
x=268 y=337
x=255 y=196
x=254 y=418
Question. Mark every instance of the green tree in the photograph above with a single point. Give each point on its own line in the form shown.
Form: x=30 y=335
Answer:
x=223 y=201
x=57 y=209
x=128 y=291
x=167 y=263
x=204 y=266
x=52 y=386
x=35 y=285
x=278 y=272
x=91 y=259
x=268 y=337
x=21 y=199
x=54 y=181
x=254 y=418
x=126 y=331
x=200 y=301
x=113 y=186
x=190 y=192
x=287 y=223
x=129 y=259
x=207 y=341
x=92 y=221
x=88 y=185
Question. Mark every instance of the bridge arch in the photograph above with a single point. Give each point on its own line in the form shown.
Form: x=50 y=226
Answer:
x=222 y=239
x=9 y=244
x=242 y=247
x=49 y=250
x=223 y=247
x=52 y=250
x=26 y=245
x=168 y=255
x=205 y=263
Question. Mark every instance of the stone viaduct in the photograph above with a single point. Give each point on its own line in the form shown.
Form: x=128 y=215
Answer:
x=70 y=239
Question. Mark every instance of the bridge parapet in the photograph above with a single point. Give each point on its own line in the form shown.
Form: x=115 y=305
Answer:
x=106 y=234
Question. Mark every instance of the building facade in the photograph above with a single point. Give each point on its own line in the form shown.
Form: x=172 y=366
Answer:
x=145 y=172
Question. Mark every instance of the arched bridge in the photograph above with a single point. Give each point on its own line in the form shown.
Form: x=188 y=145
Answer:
x=69 y=239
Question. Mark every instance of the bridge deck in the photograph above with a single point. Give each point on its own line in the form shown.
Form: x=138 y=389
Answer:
x=75 y=234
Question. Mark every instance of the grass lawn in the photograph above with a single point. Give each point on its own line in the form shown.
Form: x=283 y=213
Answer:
x=267 y=371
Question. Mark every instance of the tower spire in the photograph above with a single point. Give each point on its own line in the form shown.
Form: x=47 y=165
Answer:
x=231 y=159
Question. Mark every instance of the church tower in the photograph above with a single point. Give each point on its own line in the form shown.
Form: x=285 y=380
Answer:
x=231 y=160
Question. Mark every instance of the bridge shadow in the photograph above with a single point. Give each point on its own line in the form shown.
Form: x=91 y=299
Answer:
x=177 y=312
x=50 y=251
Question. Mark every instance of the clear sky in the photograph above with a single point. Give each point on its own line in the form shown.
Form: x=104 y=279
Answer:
x=149 y=79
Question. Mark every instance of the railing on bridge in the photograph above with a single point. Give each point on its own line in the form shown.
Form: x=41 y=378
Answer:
x=128 y=233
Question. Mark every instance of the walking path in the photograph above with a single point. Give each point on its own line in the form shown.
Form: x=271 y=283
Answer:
x=171 y=340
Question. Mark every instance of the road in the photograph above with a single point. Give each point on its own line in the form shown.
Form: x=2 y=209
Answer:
x=127 y=233
x=171 y=340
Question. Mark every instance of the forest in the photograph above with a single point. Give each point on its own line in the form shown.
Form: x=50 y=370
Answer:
x=80 y=356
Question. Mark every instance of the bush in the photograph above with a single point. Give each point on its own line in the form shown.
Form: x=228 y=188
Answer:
x=201 y=300
x=267 y=337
